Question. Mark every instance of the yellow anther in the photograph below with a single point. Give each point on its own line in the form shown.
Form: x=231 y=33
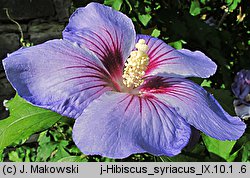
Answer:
x=136 y=65
x=141 y=46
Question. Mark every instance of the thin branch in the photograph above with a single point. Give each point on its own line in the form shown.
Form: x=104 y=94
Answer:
x=12 y=20
x=222 y=19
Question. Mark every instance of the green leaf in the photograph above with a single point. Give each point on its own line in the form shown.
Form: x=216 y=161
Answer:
x=206 y=83
x=176 y=44
x=14 y=156
x=204 y=1
x=145 y=18
x=24 y=120
x=233 y=4
x=60 y=152
x=74 y=150
x=46 y=147
x=195 y=8
x=229 y=1
x=246 y=152
x=73 y=159
x=220 y=148
x=116 y=4
x=27 y=155
x=1 y=155
x=156 y=33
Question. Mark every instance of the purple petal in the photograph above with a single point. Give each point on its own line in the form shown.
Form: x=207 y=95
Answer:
x=57 y=75
x=242 y=110
x=196 y=106
x=117 y=125
x=165 y=59
x=108 y=33
x=241 y=86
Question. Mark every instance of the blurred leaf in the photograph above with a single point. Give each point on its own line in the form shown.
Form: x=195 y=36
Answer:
x=156 y=33
x=229 y=1
x=246 y=152
x=56 y=143
x=233 y=156
x=73 y=159
x=43 y=138
x=203 y=1
x=233 y=4
x=195 y=8
x=220 y=148
x=206 y=83
x=60 y=152
x=24 y=120
x=46 y=147
x=144 y=18
x=27 y=155
x=116 y=4
x=1 y=156
x=176 y=44
x=129 y=5
x=13 y=156
x=74 y=150
x=49 y=150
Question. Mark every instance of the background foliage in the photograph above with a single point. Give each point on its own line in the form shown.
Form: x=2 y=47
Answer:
x=220 y=29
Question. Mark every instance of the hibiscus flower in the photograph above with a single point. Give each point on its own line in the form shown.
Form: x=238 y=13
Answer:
x=128 y=93
x=241 y=89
